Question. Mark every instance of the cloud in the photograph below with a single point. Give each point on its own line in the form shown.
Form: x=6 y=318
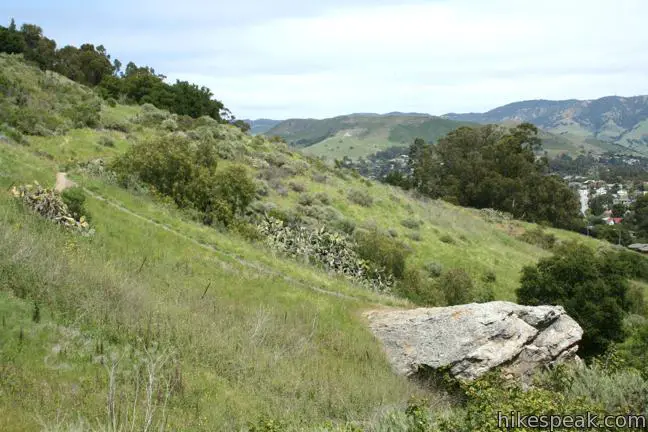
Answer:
x=291 y=58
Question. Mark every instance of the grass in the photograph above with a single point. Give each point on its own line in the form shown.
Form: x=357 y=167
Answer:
x=246 y=333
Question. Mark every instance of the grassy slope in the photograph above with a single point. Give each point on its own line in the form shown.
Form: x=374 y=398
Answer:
x=361 y=135
x=255 y=343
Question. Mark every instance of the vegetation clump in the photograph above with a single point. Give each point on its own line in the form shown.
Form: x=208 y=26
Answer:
x=591 y=286
x=360 y=197
x=333 y=251
x=49 y=204
x=540 y=238
x=185 y=171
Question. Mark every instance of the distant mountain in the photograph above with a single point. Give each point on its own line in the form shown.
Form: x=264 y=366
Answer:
x=615 y=120
x=260 y=126
x=361 y=135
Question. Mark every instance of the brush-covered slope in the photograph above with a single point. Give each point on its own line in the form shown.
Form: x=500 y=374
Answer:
x=601 y=122
x=261 y=126
x=221 y=329
x=360 y=135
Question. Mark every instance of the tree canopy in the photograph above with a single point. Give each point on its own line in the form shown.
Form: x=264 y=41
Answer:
x=493 y=167
x=591 y=287
x=92 y=66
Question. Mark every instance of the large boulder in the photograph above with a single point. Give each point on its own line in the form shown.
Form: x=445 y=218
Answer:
x=470 y=340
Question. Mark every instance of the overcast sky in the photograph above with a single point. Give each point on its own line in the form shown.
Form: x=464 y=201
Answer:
x=320 y=58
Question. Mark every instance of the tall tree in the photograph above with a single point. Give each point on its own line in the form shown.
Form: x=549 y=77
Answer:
x=491 y=166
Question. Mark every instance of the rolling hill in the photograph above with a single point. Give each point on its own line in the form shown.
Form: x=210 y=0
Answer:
x=261 y=126
x=606 y=122
x=360 y=135
x=223 y=331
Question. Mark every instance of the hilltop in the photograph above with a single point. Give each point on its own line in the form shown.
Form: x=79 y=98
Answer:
x=611 y=120
x=261 y=126
x=239 y=330
x=360 y=135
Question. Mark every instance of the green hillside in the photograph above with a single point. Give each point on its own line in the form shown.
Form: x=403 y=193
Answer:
x=360 y=135
x=159 y=318
x=609 y=123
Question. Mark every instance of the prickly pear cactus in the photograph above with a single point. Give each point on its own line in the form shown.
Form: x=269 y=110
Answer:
x=49 y=204
x=334 y=251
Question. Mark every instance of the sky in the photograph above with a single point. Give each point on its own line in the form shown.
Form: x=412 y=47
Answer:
x=321 y=58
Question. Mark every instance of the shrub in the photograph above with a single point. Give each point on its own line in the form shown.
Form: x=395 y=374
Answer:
x=306 y=199
x=111 y=102
x=106 y=141
x=360 y=197
x=411 y=223
x=186 y=172
x=151 y=116
x=414 y=236
x=382 y=250
x=296 y=167
x=262 y=188
x=592 y=288
x=235 y=186
x=319 y=178
x=297 y=187
x=392 y=232
x=457 y=286
x=169 y=125
x=539 y=238
x=323 y=198
x=418 y=288
x=246 y=230
x=434 y=269
x=345 y=225
x=489 y=276
x=118 y=125
x=447 y=238
x=74 y=198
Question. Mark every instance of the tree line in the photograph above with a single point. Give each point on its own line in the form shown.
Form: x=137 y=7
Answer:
x=491 y=167
x=92 y=66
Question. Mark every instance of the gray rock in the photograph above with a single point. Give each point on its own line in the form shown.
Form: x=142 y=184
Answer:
x=473 y=339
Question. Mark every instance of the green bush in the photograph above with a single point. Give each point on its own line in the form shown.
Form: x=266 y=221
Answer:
x=319 y=178
x=360 y=197
x=447 y=238
x=297 y=187
x=434 y=269
x=414 y=236
x=382 y=250
x=592 y=287
x=186 y=172
x=323 y=198
x=345 y=225
x=539 y=238
x=169 y=125
x=412 y=223
x=75 y=198
x=419 y=288
x=118 y=125
x=489 y=276
x=457 y=287
x=306 y=199
x=106 y=141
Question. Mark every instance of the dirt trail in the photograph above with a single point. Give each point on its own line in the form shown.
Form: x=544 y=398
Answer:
x=62 y=182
